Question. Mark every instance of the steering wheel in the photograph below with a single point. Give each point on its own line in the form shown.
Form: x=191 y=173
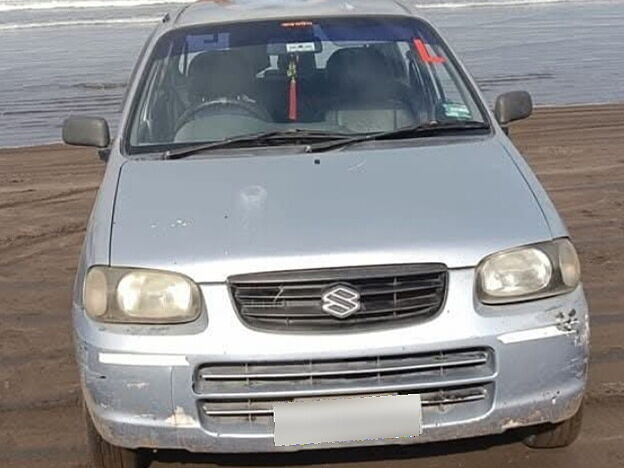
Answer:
x=220 y=105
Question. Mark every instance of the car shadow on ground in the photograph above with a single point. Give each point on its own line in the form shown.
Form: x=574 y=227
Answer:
x=345 y=455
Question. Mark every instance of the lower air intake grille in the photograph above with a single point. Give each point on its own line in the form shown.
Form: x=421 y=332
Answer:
x=453 y=385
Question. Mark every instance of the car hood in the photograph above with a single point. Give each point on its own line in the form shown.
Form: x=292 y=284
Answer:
x=214 y=217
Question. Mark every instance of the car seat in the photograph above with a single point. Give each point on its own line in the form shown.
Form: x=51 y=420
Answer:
x=366 y=96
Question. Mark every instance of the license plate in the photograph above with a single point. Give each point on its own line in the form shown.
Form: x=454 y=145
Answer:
x=324 y=420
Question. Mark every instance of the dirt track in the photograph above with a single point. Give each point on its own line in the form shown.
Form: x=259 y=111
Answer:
x=45 y=197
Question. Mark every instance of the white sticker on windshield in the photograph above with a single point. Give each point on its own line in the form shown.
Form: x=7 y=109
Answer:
x=300 y=47
x=458 y=111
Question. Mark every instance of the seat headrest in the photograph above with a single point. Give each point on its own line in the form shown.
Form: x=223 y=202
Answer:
x=357 y=69
x=217 y=74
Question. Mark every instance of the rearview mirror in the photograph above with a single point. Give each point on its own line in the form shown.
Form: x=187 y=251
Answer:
x=511 y=106
x=86 y=131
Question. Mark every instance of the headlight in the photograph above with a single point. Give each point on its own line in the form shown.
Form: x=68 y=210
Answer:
x=139 y=296
x=530 y=272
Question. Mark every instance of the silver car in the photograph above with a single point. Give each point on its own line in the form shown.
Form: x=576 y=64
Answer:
x=313 y=233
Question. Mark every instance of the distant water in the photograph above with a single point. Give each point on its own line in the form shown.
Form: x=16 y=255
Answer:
x=59 y=57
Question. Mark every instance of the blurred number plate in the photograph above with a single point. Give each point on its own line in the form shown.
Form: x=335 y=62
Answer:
x=345 y=419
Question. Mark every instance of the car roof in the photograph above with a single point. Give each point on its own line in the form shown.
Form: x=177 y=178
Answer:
x=226 y=11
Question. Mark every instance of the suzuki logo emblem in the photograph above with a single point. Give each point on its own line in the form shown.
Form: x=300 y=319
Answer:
x=341 y=301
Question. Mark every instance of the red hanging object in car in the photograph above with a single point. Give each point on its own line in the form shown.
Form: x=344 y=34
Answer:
x=292 y=99
x=292 y=90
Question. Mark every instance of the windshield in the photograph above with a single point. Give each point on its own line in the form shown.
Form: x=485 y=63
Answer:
x=337 y=75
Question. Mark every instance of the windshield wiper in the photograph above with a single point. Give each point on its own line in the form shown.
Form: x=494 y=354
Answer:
x=263 y=138
x=414 y=131
x=337 y=140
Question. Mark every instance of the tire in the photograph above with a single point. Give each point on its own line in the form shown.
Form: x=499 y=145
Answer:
x=555 y=435
x=105 y=455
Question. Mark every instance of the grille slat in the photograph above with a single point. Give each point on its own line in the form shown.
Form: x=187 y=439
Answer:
x=402 y=289
x=226 y=390
x=428 y=300
x=314 y=290
x=273 y=295
x=294 y=300
x=344 y=369
x=321 y=322
x=325 y=377
x=307 y=311
x=265 y=408
x=377 y=272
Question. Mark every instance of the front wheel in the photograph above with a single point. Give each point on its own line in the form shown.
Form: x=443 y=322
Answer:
x=105 y=455
x=555 y=435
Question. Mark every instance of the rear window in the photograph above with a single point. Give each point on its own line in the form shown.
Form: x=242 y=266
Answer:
x=348 y=75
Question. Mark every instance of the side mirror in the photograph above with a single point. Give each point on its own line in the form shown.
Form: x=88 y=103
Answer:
x=511 y=106
x=86 y=131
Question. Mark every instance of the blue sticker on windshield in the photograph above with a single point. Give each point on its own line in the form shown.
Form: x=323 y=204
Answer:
x=206 y=42
x=456 y=110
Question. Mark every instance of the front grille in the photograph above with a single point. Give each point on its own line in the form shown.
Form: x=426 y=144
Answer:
x=292 y=300
x=239 y=397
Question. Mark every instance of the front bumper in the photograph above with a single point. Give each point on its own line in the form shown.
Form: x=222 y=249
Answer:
x=141 y=389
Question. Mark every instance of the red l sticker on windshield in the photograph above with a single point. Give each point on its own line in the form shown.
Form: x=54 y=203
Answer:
x=423 y=53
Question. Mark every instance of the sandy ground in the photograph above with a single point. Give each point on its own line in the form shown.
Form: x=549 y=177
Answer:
x=45 y=197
